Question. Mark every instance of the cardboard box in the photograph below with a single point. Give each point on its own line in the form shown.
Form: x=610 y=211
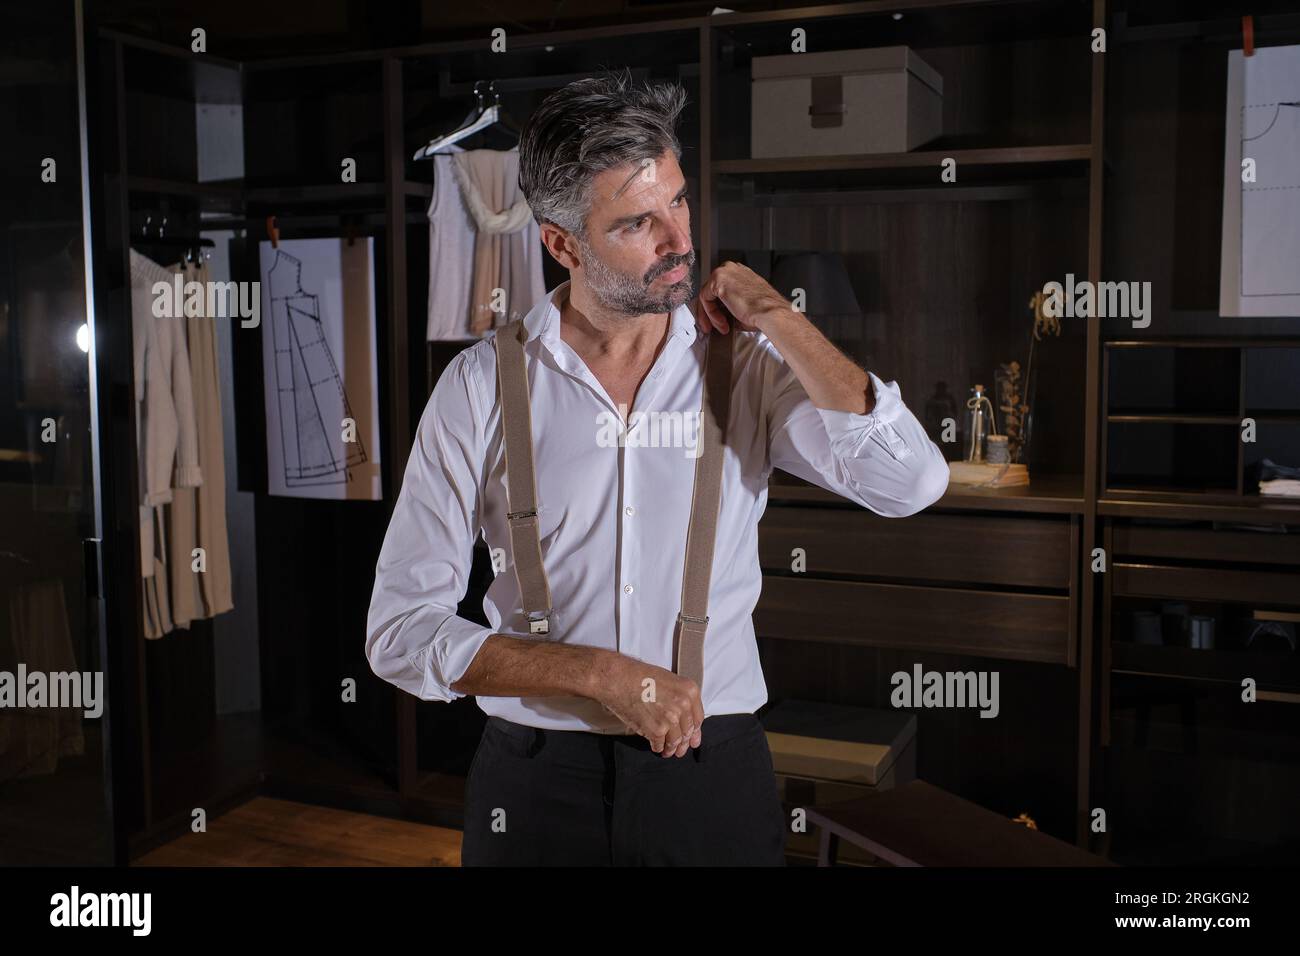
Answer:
x=855 y=748
x=843 y=102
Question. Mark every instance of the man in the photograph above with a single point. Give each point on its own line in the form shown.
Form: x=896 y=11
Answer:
x=596 y=752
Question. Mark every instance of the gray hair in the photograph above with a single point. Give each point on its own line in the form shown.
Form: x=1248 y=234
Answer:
x=591 y=125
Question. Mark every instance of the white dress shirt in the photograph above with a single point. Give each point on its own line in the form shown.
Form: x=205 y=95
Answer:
x=613 y=513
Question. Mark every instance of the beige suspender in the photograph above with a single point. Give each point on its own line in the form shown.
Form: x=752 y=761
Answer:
x=521 y=492
x=521 y=482
x=693 y=619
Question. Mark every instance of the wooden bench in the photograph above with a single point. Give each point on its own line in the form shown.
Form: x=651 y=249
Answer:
x=918 y=824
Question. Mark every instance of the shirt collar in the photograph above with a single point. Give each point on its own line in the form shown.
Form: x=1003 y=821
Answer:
x=544 y=319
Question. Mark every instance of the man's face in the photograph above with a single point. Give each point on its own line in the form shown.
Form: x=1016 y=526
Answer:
x=637 y=253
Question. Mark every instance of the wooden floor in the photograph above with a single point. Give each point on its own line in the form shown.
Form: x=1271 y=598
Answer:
x=268 y=832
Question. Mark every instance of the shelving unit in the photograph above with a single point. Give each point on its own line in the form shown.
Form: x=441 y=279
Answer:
x=1057 y=173
x=987 y=578
x=1189 y=397
x=1184 y=532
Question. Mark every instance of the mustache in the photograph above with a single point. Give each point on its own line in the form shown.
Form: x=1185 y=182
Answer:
x=671 y=264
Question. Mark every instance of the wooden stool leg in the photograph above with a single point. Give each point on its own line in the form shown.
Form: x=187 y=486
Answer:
x=828 y=848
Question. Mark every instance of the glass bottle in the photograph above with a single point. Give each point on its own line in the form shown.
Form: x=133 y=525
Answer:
x=979 y=423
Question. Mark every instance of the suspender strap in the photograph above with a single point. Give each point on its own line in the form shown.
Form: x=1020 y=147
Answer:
x=521 y=483
x=706 y=497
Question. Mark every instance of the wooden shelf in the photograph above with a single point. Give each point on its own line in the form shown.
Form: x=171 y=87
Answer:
x=1225 y=30
x=174 y=187
x=1279 y=669
x=1184 y=418
x=916 y=168
x=225 y=196
x=130 y=40
x=1216 y=342
x=324 y=192
x=1196 y=506
x=1056 y=494
x=1046 y=494
x=861 y=8
x=233 y=192
x=1173 y=418
x=946 y=22
x=370 y=220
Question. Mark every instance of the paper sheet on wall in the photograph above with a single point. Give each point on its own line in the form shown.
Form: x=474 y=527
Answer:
x=1260 y=266
x=320 y=374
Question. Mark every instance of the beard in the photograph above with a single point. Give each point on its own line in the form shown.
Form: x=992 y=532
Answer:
x=626 y=294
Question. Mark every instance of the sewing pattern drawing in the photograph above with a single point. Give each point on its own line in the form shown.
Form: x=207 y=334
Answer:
x=1270 y=205
x=310 y=394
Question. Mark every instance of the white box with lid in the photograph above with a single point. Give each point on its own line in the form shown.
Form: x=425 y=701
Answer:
x=843 y=102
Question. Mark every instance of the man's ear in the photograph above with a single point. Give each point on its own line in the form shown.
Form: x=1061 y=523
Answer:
x=560 y=244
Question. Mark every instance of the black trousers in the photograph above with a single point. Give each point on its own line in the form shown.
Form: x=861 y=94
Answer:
x=539 y=797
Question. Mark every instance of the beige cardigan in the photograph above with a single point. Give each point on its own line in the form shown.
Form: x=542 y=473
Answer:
x=166 y=432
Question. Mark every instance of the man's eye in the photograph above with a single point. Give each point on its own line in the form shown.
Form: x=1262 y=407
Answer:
x=635 y=226
x=680 y=199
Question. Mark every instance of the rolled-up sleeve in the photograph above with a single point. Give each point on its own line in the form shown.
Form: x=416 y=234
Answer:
x=882 y=460
x=414 y=638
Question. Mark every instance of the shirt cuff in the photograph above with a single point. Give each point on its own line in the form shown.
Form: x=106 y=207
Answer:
x=848 y=430
x=448 y=657
x=188 y=476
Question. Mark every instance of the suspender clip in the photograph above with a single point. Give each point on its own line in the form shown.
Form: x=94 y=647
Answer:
x=514 y=515
x=693 y=620
x=539 y=622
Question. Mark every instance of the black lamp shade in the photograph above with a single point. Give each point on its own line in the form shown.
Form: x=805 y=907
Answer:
x=822 y=276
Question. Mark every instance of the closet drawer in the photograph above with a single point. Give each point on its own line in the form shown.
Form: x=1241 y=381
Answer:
x=1205 y=544
x=1194 y=584
x=1029 y=552
x=1028 y=627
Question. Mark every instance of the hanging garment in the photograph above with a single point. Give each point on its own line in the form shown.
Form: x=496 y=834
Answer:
x=507 y=241
x=478 y=175
x=507 y=247
x=34 y=631
x=451 y=253
x=157 y=601
x=157 y=598
x=166 y=434
x=196 y=517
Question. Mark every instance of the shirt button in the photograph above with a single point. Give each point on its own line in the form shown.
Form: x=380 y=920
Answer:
x=627 y=589
x=629 y=511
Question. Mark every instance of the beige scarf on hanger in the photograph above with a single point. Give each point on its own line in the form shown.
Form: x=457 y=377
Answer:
x=489 y=182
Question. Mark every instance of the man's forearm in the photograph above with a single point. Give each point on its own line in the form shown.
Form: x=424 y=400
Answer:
x=830 y=378
x=508 y=666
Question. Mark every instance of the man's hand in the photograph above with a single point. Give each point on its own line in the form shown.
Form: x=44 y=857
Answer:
x=736 y=294
x=672 y=717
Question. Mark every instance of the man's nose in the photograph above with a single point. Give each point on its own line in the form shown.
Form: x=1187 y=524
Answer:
x=678 y=241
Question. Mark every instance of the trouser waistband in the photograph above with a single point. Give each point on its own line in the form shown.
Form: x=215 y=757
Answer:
x=716 y=729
